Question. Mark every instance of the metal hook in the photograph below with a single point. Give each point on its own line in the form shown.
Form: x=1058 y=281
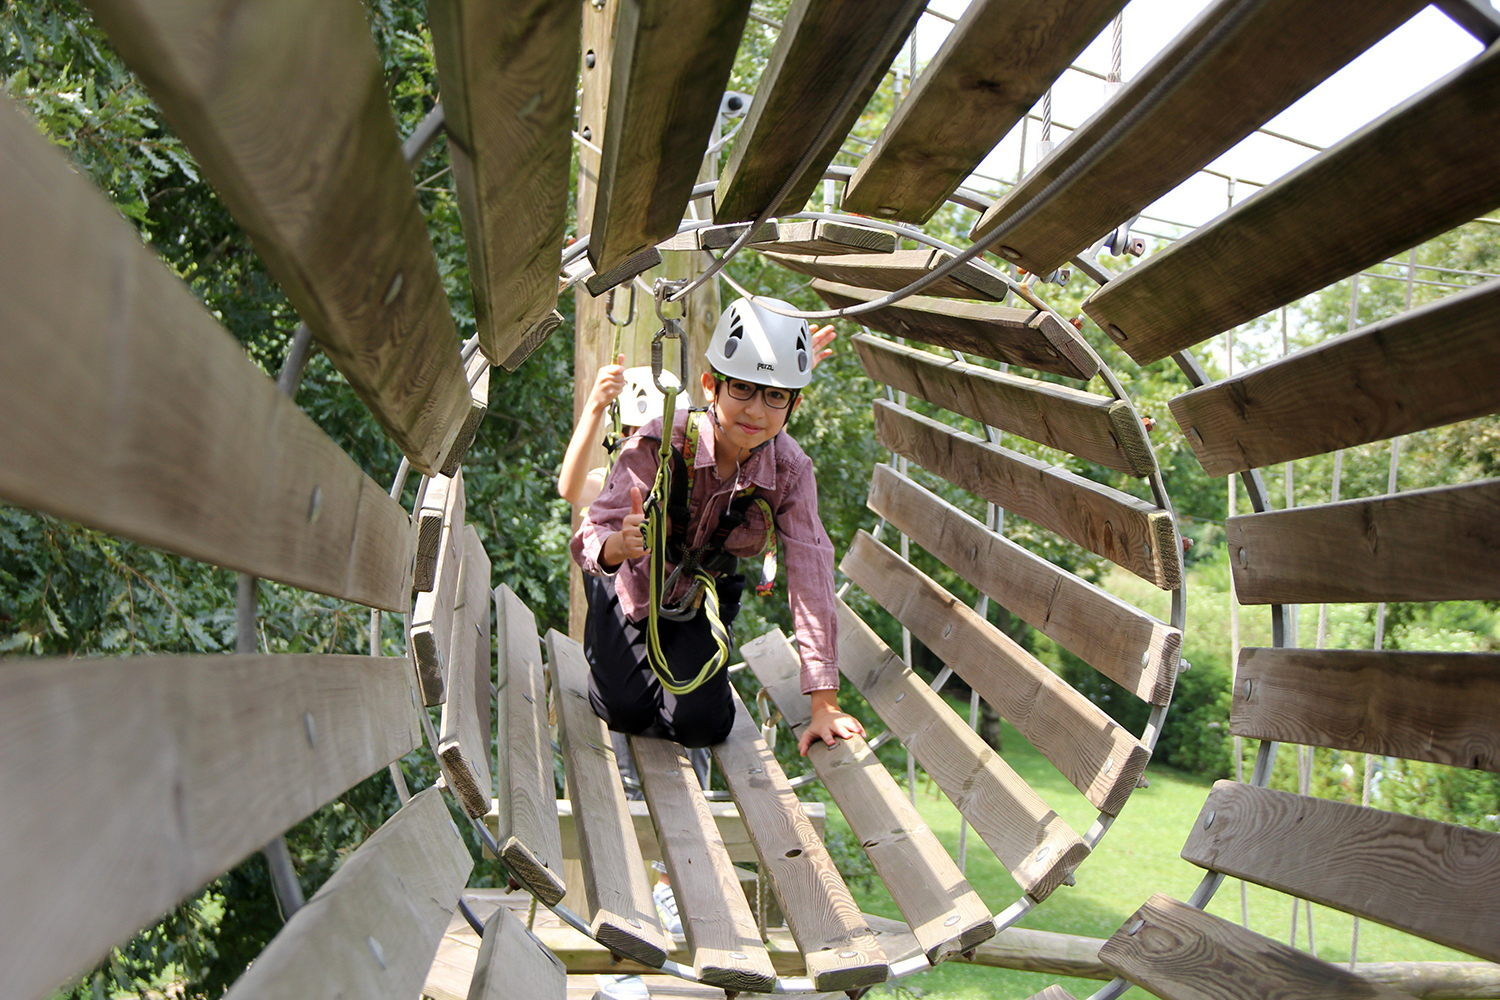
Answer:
x=609 y=307
x=671 y=329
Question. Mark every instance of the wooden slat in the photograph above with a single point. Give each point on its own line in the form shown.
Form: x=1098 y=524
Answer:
x=825 y=50
x=621 y=910
x=828 y=238
x=1438 y=707
x=1095 y=753
x=945 y=913
x=1130 y=532
x=671 y=61
x=998 y=61
x=534 y=338
x=431 y=621
x=283 y=105
x=373 y=928
x=464 y=735
x=1125 y=644
x=508 y=74
x=1099 y=428
x=716 y=917
x=840 y=949
x=1035 y=845
x=726 y=817
x=1441 y=544
x=1435 y=880
x=1053 y=992
x=529 y=841
x=1400 y=375
x=718 y=237
x=477 y=371
x=1415 y=173
x=186 y=765
x=892 y=271
x=1028 y=337
x=511 y=956
x=432 y=511
x=128 y=408
x=1178 y=952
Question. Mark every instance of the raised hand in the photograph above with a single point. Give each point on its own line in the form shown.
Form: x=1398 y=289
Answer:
x=608 y=385
x=821 y=337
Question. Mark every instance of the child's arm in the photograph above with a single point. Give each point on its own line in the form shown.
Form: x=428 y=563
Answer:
x=572 y=479
x=829 y=723
x=615 y=510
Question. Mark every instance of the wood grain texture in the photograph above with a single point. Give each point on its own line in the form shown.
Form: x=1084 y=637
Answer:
x=946 y=915
x=1400 y=375
x=726 y=817
x=621 y=911
x=430 y=626
x=1130 y=532
x=284 y=108
x=510 y=954
x=533 y=338
x=374 y=927
x=998 y=61
x=128 y=408
x=840 y=949
x=1122 y=642
x=432 y=510
x=1435 y=880
x=1027 y=337
x=463 y=748
x=891 y=271
x=477 y=372
x=1178 y=952
x=192 y=763
x=1441 y=544
x=1418 y=171
x=1034 y=844
x=823 y=237
x=1099 y=428
x=718 y=237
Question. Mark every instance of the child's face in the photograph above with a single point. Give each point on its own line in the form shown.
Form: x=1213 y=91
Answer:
x=745 y=423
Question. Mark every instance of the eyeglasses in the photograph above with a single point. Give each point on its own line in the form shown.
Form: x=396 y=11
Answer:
x=774 y=397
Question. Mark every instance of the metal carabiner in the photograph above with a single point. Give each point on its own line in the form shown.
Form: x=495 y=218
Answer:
x=609 y=307
x=671 y=329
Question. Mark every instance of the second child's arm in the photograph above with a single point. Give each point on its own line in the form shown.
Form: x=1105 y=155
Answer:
x=572 y=479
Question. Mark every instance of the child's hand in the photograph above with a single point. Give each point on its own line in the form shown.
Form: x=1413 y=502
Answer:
x=632 y=542
x=610 y=382
x=821 y=337
x=828 y=724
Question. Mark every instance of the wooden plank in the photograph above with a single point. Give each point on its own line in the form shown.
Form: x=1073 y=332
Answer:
x=1027 y=337
x=431 y=621
x=998 y=61
x=670 y=64
x=529 y=840
x=1132 y=533
x=192 y=763
x=284 y=108
x=464 y=735
x=622 y=912
x=1034 y=844
x=1397 y=376
x=508 y=74
x=824 y=237
x=477 y=371
x=946 y=915
x=826 y=49
x=1095 y=753
x=1053 y=992
x=716 y=918
x=373 y=928
x=509 y=955
x=718 y=237
x=892 y=271
x=726 y=816
x=1438 y=707
x=1178 y=952
x=1101 y=429
x=128 y=408
x=840 y=950
x=1417 y=172
x=1125 y=644
x=431 y=512
x=1435 y=880
x=534 y=338
x=1441 y=544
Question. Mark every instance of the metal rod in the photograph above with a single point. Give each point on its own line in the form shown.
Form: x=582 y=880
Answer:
x=283 y=878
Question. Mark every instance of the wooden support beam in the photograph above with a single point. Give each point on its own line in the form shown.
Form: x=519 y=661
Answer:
x=430 y=627
x=509 y=955
x=477 y=372
x=998 y=61
x=823 y=237
x=192 y=763
x=128 y=408
x=892 y=271
x=1125 y=644
x=1440 y=544
x=1435 y=880
x=826 y=49
x=1130 y=532
x=283 y=106
x=1397 y=376
x=463 y=748
x=1417 y=172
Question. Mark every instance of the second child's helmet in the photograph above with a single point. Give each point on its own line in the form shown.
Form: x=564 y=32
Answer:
x=640 y=401
x=757 y=345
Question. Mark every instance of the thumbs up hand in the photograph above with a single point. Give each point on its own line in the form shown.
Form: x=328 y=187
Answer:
x=629 y=542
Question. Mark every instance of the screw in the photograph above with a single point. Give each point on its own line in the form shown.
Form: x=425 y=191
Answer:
x=589 y=59
x=315 y=505
x=1145 y=657
x=1242 y=557
x=394 y=288
x=947 y=630
x=1208 y=820
x=587 y=133
x=376 y=950
x=310 y=728
x=1135 y=927
x=738 y=955
x=848 y=954
x=1247 y=688
x=1010 y=252
x=952 y=919
x=1195 y=435
x=1115 y=333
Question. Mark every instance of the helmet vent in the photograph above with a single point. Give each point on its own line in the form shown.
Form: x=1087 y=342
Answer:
x=736 y=332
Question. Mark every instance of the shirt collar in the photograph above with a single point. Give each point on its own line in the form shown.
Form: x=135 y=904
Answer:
x=759 y=470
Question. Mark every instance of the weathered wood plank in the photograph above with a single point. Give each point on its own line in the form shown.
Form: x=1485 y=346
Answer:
x=1397 y=376
x=533 y=338
x=1440 y=544
x=726 y=817
x=509 y=955
x=998 y=61
x=464 y=734
x=718 y=237
x=840 y=949
x=892 y=271
x=431 y=512
x=192 y=763
x=1099 y=428
x=373 y=928
x=827 y=238
x=1132 y=533
x=671 y=61
x=1027 y=337
x=284 y=107
x=945 y=913
x=1435 y=880
x=430 y=626
x=621 y=911
x=823 y=52
x=1125 y=644
x=1418 y=171
x=1053 y=992
x=1034 y=844
x=477 y=372
x=127 y=407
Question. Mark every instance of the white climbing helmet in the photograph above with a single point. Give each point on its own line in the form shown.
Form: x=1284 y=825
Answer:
x=757 y=345
x=641 y=401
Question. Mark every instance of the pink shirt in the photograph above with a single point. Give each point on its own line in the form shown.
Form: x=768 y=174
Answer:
x=784 y=476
